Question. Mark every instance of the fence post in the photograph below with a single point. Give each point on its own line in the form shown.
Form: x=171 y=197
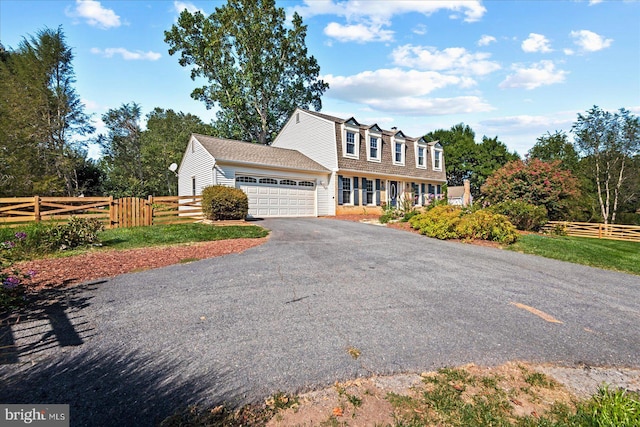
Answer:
x=111 y=212
x=36 y=208
x=599 y=231
x=150 y=210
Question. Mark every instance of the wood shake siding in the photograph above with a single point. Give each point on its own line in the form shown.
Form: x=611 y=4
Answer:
x=385 y=166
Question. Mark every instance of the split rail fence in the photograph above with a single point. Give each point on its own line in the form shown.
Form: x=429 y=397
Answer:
x=114 y=213
x=596 y=230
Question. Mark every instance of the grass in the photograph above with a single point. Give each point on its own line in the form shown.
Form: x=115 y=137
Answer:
x=130 y=238
x=608 y=254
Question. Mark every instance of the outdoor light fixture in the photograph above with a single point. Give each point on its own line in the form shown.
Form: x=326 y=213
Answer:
x=173 y=167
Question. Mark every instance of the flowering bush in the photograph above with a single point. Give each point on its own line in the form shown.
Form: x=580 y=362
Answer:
x=12 y=281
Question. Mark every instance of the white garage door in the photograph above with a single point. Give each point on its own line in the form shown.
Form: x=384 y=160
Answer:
x=278 y=196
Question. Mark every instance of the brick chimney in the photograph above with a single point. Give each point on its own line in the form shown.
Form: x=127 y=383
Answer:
x=466 y=198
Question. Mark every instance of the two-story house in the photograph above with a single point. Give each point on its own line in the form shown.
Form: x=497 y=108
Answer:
x=318 y=165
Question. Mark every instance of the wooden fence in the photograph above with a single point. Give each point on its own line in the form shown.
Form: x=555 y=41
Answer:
x=114 y=213
x=596 y=230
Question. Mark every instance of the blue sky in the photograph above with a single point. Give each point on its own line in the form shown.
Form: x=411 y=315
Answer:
x=512 y=69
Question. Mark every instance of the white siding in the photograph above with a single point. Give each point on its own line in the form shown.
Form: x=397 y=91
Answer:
x=198 y=163
x=225 y=175
x=312 y=136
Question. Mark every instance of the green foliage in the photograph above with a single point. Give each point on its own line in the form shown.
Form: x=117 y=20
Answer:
x=72 y=234
x=220 y=202
x=452 y=222
x=551 y=147
x=467 y=160
x=535 y=182
x=523 y=215
x=42 y=119
x=12 y=281
x=256 y=64
x=610 y=408
x=390 y=213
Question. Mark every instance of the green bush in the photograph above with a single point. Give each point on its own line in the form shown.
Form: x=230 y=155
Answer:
x=75 y=233
x=224 y=203
x=487 y=225
x=452 y=222
x=439 y=222
x=523 y=215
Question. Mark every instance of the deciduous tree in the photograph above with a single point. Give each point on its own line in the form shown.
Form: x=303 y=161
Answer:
x=257 y=66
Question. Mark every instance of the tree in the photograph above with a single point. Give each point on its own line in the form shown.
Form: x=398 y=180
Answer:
x=609 y=141
x=164 y=142
x=536 y=182
x=467 y=160
x=258 y=69
x=556 y=146
x=41 y=116
x=122 y=152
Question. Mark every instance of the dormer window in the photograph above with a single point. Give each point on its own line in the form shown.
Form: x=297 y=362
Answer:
x=351 y=139
x=373 y=137
x=398 y=148
x=421 y=154
x=437 y=156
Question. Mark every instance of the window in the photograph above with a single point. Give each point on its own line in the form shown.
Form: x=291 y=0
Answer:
x=268 y=181
x=344 y=190
x=306 y=184
x=351 y=143
x=287 y=182
x=437 y=157
x=415 y=192
x=398 y=152
x=367 y=186
x=421 y=162
x=373 y=147
x=193 y=185
x=246 y=179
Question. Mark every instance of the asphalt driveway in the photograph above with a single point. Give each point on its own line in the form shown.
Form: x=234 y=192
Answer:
x=282 y=317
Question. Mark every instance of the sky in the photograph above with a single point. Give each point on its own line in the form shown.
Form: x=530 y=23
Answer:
x=511 y=69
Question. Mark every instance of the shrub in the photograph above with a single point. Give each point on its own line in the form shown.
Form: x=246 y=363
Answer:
x=390 y=213
x=75 y=233
x=224 y=203
x=12 y=287
x=523 y=215
x=439 y=222
x=486 y=225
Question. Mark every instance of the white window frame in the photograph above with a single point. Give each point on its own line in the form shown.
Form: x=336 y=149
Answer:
x=349 y=202
x=403 y=151
x=425 y=150
x=378 y=135
x=437 y=151
x=356 y=141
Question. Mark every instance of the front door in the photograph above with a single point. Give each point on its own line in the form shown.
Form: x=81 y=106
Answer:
x=393 y=193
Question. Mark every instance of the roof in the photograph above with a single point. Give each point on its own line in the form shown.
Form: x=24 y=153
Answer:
x=455 y=191
x=238 y=151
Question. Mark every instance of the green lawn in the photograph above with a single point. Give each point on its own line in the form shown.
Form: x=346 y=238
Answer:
x=608 y=254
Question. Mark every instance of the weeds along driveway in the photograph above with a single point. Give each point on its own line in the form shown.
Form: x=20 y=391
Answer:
x=292 y=313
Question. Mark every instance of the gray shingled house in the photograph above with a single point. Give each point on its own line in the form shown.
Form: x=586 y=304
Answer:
x=319 y=165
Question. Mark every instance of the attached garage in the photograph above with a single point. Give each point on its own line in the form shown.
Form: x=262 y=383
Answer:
x=278 y=196
x=279 y=182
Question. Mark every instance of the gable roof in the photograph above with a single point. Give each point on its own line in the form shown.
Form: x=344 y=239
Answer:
x=229 y=150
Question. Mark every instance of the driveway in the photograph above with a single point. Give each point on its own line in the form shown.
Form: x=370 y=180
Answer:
x=282 y=317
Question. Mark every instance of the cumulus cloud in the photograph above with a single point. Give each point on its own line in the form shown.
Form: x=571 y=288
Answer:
x=127 y=55
x=486 y=40
x=588 y=41
x=417 y=106
x=539 y=74
x=179 y=6
x=536 y=43
x=454 y=59
x=359 y=33
x=95 y=14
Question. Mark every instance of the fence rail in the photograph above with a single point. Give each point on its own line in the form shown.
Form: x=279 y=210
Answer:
x=114 y=213
x=596 y=230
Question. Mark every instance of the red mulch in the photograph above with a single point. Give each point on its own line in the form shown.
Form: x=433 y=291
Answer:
x=68 y=271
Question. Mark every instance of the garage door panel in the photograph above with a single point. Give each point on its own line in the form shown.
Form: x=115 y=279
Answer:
x=269 y=199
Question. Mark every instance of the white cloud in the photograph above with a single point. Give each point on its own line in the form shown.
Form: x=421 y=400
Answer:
x=90 y=105
x=588 y=41
x=179 y=6
x=536 y=43
x=127 y=55
x=486 y=40
x=539 y=74
x=454 y=59
x=420 y=29
x=357 y=33
x=383 y=11
x=95 y=14
x=592 y=2
x=416 y=106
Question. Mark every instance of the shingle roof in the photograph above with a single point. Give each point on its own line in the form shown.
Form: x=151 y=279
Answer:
x=238 y=151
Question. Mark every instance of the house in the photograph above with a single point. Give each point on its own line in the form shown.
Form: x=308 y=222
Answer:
x=319 y=165
x=460 y=195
